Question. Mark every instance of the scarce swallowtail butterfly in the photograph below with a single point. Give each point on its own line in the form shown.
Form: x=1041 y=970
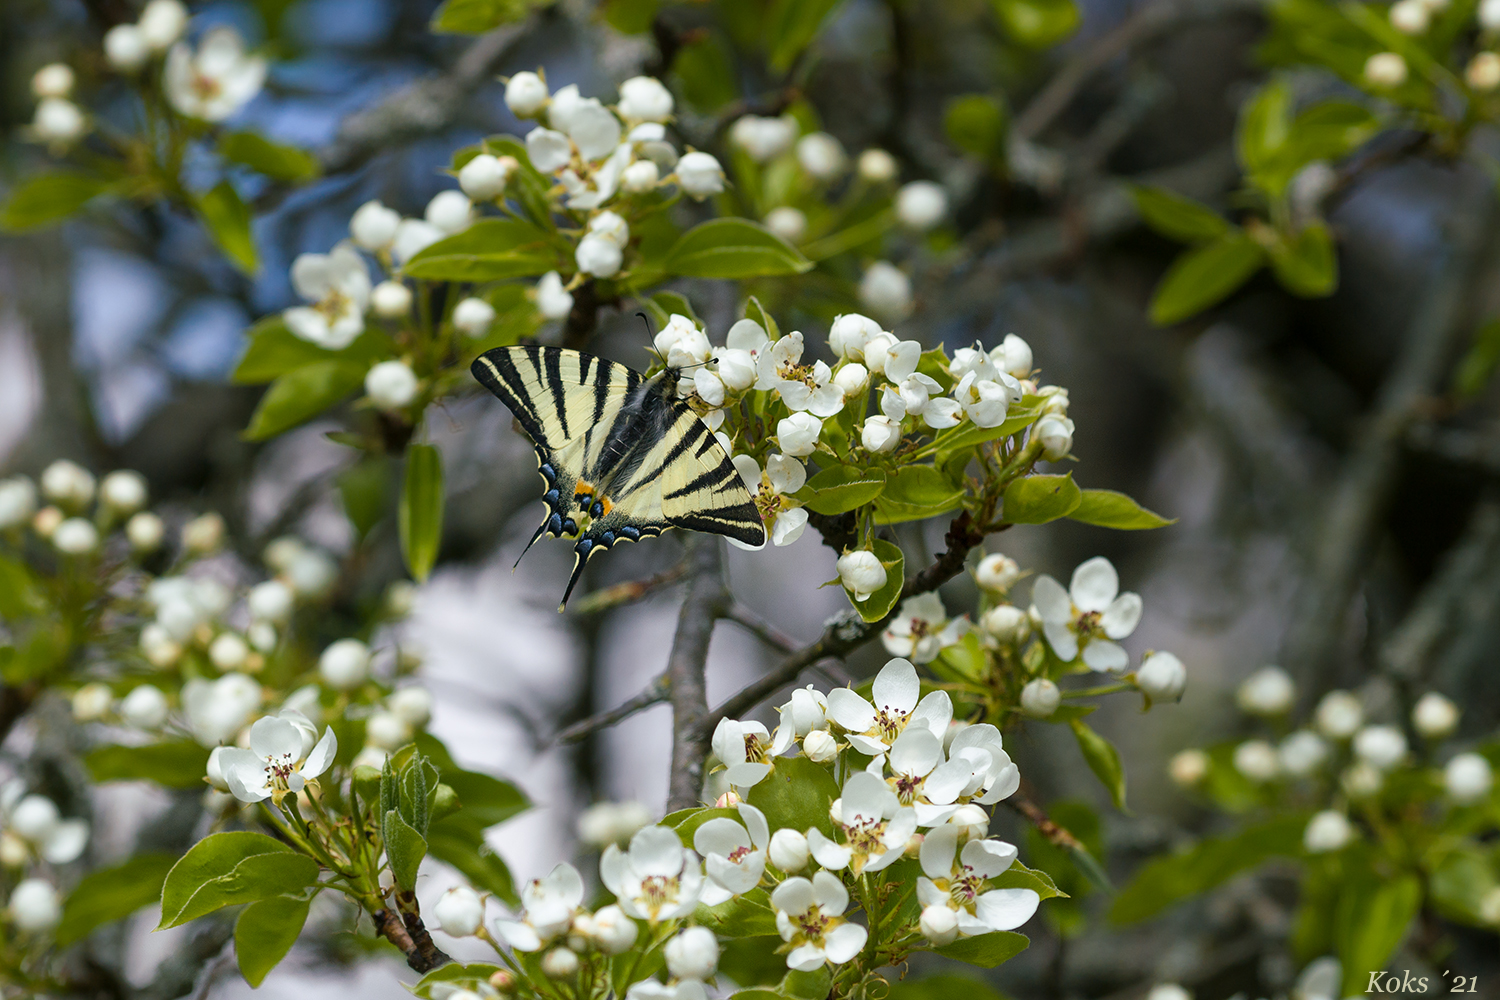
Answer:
x=620 y=455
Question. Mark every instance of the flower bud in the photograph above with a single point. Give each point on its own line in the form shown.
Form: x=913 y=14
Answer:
x=34 y=818
x=644 y=99
x=1483 y=71
x=14 y=852
x=1162 y=677
x=75 y=537
x=1302 y=753
x=552 y=299
x=1256 y=760
x=270 y=601
x=1188 y=767
x=880 y=434
x=162 y=22
x=17 y=501
x=145 y=707
x=450 y=212
x=1007 y=623
x=1268 y=691
x=1362 y=780
x=46 y=521
x=203 y=534
x=820 y=746
x=787 y=222
x=125 y=48
x=160 y=649
x=599 y=256
x=1040 y=698
x=373 y=226
x=1489 y=15
x=693 y=954
x=459 y=912
x=345 y=664
x=611 y=225
x=797 y=435
x=1410 y=17
x=560 y=963
x=262 y=636
x=145 y=531
x=525 y=94
x=1468 y=778
x=473 y=317
x=997 y=572
x=391 y=300
x=412 y=705
x=853 y=378
x=52 y=80
x=763 y=138
x=1327 y=831
x=1434 y=716
x=34 y=906
x=58 y=121
x=614 y=932
x=1385 y=69
x=68 y=484
x=700 y=175
x=788 y=850
x=939 y=924
x=877 y=166
x=386 y=730
x=92 y=701
x=1339 y=715
x=850 y=333
x=861 y=572
x=412 y=237
x=921 y=205
x=886 y=290
x=229 y=651
x=640 y=177
x=1168 y=991
x=1382 y=747
x=821 y=155
x=484 y=177
x=391 y=385
x=123 y=491
x=1056 y=435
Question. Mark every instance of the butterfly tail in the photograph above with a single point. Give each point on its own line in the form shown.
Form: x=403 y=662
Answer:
x=585 y=548
x=545 y=527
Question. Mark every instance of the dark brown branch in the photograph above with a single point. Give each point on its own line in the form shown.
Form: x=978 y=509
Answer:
x=13 y=704
x=406 y=931
x=705 y=602
x=654 y=694
x=759 y=627
x=583 y=318
x=626 y=593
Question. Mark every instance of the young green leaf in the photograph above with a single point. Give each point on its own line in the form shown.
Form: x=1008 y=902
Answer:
x=732 y=248
x=273 y=351
x=488 y=250
x=364 y=488
x=1373 y=915
x=276 y=161
x=227 y=219
x=1180 y=218
x=47 y=199
x=224 y=869
x=298 y=396
x=475 y=17
x=1306 y=264
x=796 y=795
x=1103 y=759
x=879 y=604
x=1037 y=24
x=791 y=25
x=169 y=763
x=630 y=17
x=421 y=509
x=112 y=894
x=265 y=932
x=975 y=123
x=1039 y=499
x=404 y=848
x=1110 y=509
x=986 y=950
x=1205 y=275
x=916 y=492
x=841 y=488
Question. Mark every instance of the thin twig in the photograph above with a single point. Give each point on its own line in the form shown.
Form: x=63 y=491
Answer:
x=654 y=693
x=707 y=599
x=626 y=593
x=759 y=627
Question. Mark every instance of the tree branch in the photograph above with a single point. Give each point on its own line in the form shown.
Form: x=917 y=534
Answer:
x=706 y=601
x=655 y=693
x=759 y=627
x=406 y=931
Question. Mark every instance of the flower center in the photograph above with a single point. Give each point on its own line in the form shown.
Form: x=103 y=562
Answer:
x=333 y=305
x=205 y=86
x=889 y=722
x=813 y=926
x=1087 y=624
x=966 y=887
x=768 y=502
x=657 y=891
x=278 y=769
x=739 y=854
x=907 y=787
x=755 y=751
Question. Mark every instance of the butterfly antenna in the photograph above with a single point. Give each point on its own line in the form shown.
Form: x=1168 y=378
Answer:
x=651 y=338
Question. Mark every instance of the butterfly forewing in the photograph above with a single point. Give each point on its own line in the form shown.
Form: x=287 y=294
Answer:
x=617 y=448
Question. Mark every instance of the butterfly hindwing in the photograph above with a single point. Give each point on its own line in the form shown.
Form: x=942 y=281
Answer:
x=620 y=455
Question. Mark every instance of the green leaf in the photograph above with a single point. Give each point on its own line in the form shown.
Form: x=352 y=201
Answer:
x=1018 y=876
x=363 y=488
x=303 y=394
x=47 y=199
x=966 y=659
x=170 y=763
x=486 y=800
x=943 y=987
x=274 y=350
x=841 y=488
x=459 y=842
x=475 y=17
x=879 y=604
x=414 y=805
x=224 y=869
x=1307 y=264
x=814 y=985
x=732 y=248
x=749 y=915
x=1205 y=275
x=1103 y=759
x=975 y=123
x=453 y=973
x=279 y=162
x=112 y=894
x=1479 y=361
x=970 y=435
x=1372 y=918
x=421 y=509
x=1165 y=881
x=1180 y=218
x=1460 y=883
x=705 y=73
x=796 y=794
x=1038 y=499
x=1037 y=23
x=265 y=932
x=986 y=950
x=1265 y=126
x=1109 y=509
x=915 y=492
x=791 y=25
x=19 y=595
x=630 y=17
x=227 y=219
x=488 y=250
x=404 y=848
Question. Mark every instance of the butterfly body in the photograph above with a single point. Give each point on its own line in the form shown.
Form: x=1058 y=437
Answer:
x=620 y=456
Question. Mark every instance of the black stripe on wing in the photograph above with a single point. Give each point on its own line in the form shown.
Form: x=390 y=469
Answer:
x=498 y=372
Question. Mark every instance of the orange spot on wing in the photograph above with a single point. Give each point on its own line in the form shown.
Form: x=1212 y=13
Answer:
x=583 y=489
x=606 y=503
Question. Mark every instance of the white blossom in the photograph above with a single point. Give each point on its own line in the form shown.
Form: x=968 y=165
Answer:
x=1386 y=70
x=734 y=854
x=1256 y=760
x=1382 y=747
x=473 y=317
x=1013 y=356
x=1483 y=71
x=145 y=532
x=1188 y=767
x=68 y=484
x=1162 y=677
x=412 y=705
x=805 y=714
x=202 y=535
x=822 y=156
x=412 y=237
x=1327 y=831
x=959 y=880
x=548 y=150
x=681 y=343
x=125 y=48
x=644 y=99
x=788 y=851
x=877 y=166
x=162 y=22
x=277 y=762
x=1040 y=698
x=1089 y=616
x=484 y=177
x=921 y=205
x=657 y=879
x=215 y=80
x=810 y=917
x=1339 y=715
x=338 y=285
x=228 y=651
x=1056 y=436
x=861 y=573
x=1269 y=691
x=886 y=290
x=873 y=726
x=895 y=359
x=345 y=664
x=1007 y=623
x=922 y=629
x=1468 y=778
x=797 y=435
x=34 y=906
x=1302 y=753
x=548 y=908
x=145 y=707
x=850 y=333
x=1434 y=716
x=553 y=300
x=614 y=932
x=997 y=572
x=771 y=492
x=92 y=701
x=36 y=821
x=75 y=537
x=58 y=122
x=874 y=825
x=605 y=823
x=699 y=175
x=1168 y=991
x=763 y=139
x=744 y=750
x=787 y=222
x=17 y=501
x=123 y=491
x=391 y=385
x=986 y=401
x=391 y=300
x=1410 y=17
x=525 y=94
x=880 y=434
x=373 y=226
x=599 y=256
x=1362 y=780
x=449 y=212
x=52 y=80
x=692 y=954
x=460 y=911
x=640 y=177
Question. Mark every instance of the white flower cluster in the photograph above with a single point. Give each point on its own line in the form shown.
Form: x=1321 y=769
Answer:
x=31 y=825
x=81 y=510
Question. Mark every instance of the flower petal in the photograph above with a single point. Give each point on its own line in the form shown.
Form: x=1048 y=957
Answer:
x=655 y=850
x=748 y=774
x=934 y=711
x=322 y=755
x=939 y=848
x=755 y=822
x=830 y=892
x=273 y=738
x=988 y=858
x=1095 y=584
x=834 y=857
x=844 y=942
x=721 y=836
x=850 y=710
x=1051 y=600
x=1006 y=909
x=805 y=958
x=1063 y=642
x=1101 y=654
x=896 y=686
x=1122 y=615
x=795 y=895
x=916 y=752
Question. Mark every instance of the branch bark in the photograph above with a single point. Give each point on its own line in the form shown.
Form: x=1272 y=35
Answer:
x=706 y=601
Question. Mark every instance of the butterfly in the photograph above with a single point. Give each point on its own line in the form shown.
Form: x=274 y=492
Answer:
x=621 y=456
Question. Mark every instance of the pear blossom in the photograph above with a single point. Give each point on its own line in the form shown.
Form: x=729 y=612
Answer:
x=1040 y=698
x=895 y=359
x=805 y=713
x=986 y=401
x=162 y=22
x=735 y=367
x=215 y=80
x=36 y=821
x=460 y=911
x=922 y=629
x=345 y=664
x=548 y=905
x=875 y=827
x=484 y=177
x=1382 y=747
x=1385 y=70
x=997 y=572
x=548 y=150
x=1056 y=435
x=959 y=881
x=1188 y=767
x=473 y=316
x=810 y=917
x=644 y=99
x=1257 y=760
x=614 y=932
x=125 y=48
x=681 y=344
x=877 y=166
x=797 y=435
x=821 y=155
x=850 y=333
x=1269 y=691
x=338 y=285
x=391 y=385
x=34 y=906
x=1162 y=677
x=525 y=94
x=886 y=289
x=742 y=747
x=1013 y=357
x=657 y=879
x=787 y=222
x=1339 y=715
x=762 y=138
x=771 y=492
x=145 y=532
x=277 y=762
x=640 y=177
x=692 y=954
x=553 y=300
x=17 y=501
x=1089 y=616
x=924 y=777
x=1006 y=623
x=880 y=434
x=1434 y=716
x=1468 y=778
x=605 y=823
x=1302 y=753
x=58 y=123
x=65 y=483
x=217 y=710
x=373 y=226
x=700 y=175
x=599 y=256
x=734 y=854
x=920 y=205
x=873 y=727
x=1327 y=831
x=412 y=237
x=145 y=707
x=997 y=775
